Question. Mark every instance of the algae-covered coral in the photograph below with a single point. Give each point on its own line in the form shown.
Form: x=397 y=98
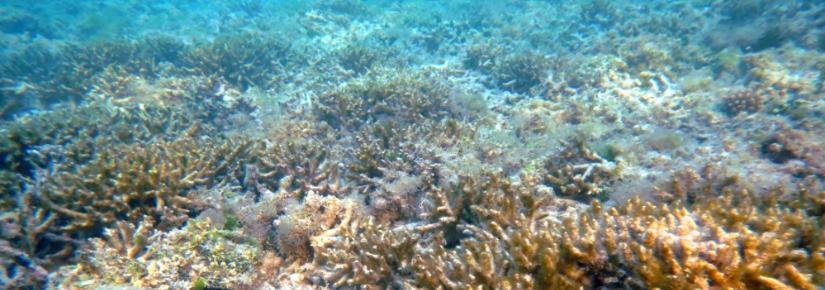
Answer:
x=412 y=145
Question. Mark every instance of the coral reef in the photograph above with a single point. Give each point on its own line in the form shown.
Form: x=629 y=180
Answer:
x=412 y=144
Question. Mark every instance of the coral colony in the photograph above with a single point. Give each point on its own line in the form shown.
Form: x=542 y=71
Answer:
x=384 y=144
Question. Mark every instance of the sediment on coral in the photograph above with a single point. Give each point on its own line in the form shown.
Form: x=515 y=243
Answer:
x=200 y=253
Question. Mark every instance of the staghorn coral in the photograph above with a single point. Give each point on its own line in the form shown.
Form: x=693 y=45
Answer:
x=68 y=202
x=244 y=60
x=512 y=236
x=393 y=166
x=404 y=96
x=363 y=175
x=370 y=255
x=519 y=73
x=415 y=255
x=190 y=108
x=198 y=254
x=295 y=167
x=43 y=77
x=130 y=182
x=738 y=240
x=358 y=59
x=29 y=241
x=75 y=134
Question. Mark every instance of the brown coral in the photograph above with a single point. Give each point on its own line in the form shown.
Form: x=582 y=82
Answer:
x=400 y=95
x=135 y=181
x=746 y=101
x=244 y=60
x=509 y=238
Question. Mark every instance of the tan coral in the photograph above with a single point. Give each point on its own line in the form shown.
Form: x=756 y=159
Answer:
x=737 y=240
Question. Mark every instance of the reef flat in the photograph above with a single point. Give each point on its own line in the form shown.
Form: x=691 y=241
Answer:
x=463 y=144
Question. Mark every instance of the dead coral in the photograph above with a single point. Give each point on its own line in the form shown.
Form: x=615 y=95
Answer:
x=579 y=173
x=358 y=58
x=522 y=73
x=787 y=144
x=200 y=253
x=304 y=220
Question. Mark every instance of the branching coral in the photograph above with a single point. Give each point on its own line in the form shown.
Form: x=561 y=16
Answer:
x=404 y=96
x=135 y=181
x=419 y=150
x=510 y=239
x=394 y=166
x=68 y=202
x=67 y=126
x=520 y=73
x=244 y=60
x=44 y=77
x=27 y=242
x=141 y=256
x=293 y=168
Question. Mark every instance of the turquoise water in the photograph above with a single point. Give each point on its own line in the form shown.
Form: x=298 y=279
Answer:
x=412 y=144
